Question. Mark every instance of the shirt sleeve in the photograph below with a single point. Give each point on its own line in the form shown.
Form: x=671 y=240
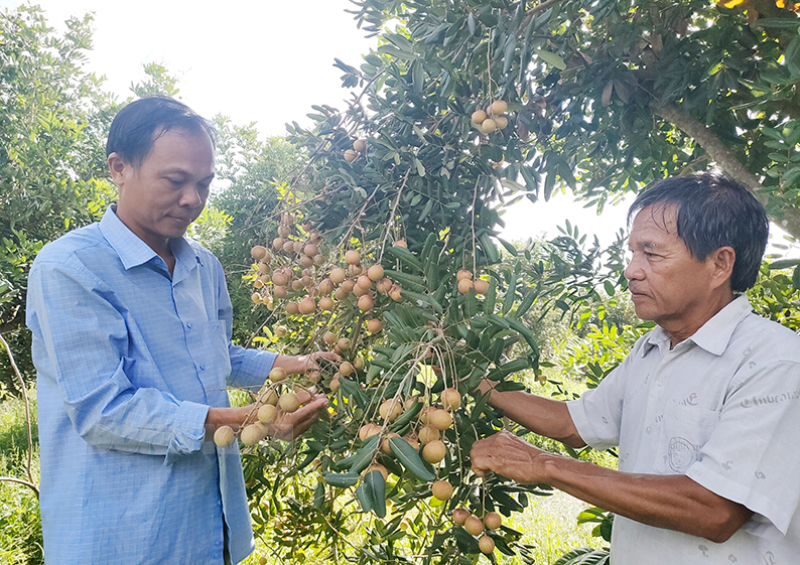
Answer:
x=749 y=457
x=597 y=414
x=82 y=346
x=249 y=367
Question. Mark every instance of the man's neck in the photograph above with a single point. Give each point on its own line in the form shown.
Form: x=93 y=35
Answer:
x=686 y=326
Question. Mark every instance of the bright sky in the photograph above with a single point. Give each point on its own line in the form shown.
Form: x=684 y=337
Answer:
x=266 y=61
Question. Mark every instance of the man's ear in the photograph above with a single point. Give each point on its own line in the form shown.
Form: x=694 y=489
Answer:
x=722 y=261
x=117 y=168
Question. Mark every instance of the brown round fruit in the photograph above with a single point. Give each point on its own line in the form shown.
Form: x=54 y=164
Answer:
x=281 y=331
x=292 y=308
x=329 y=337
x=486 y=544
x=493 y=520
x=435 y=452
x=280 y=279
x=340 y=294
x=297 y=246
x=473 y=525
x=267 y=414
x=442 y=490
x=499 y=107
x=310 y=250
x=502 y=122
x=349 y=285
x=306 y=262
x=288 y=246
x=358 y=363
x=297 y=285
x=489 y=126
x=258 y=252
x=338 y=275
x=481 y=286
x=390 y=409
x=377 y=467
x=343 y=344
x=396 y=293
x=478 y=117
x=428 y=434
x=355 y=270
x=334 y=385
x=277 y=243
x=440 y=420
x=464 y=286
x=277 y=375
x=326 y=303
x=325 y=286
x=365 y=303
x=368 y=430
x=460 y=516
x=401 y=243
x=346 y=369
x=375 y=273
x=374 y=325
x=270 y=397
x=280 y=291
x=289 y=402
x=451 y=399
x=314 y=377
x=364 y=282
x=352 y=257
x=250 y=435
x=319 y=260
x=256 y=298
x=224 y=436
x=384 y=286
x=350 y=155
x=386 y=448
x=464 y=274
x=307 y=305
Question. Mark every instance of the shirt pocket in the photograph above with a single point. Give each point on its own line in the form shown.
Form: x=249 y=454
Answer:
x=684 y=431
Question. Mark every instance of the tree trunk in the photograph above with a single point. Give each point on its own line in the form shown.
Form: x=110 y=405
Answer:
x=789 y=220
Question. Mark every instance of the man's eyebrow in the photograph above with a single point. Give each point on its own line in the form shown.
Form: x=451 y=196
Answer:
x=646 y=245
x=178 y=170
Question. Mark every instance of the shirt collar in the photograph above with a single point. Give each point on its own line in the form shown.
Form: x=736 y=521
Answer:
x=713 y=336
x=133 y=251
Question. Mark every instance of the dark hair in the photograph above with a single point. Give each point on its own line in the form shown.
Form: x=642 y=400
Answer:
x=713 y=212
x=137 y=126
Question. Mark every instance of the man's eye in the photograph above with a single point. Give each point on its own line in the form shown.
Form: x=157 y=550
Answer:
x=175 y=182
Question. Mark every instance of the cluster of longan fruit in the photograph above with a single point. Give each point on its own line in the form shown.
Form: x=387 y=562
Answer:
x=465 y=283
x=475 y=526
x=359 y=147
x=492 y=119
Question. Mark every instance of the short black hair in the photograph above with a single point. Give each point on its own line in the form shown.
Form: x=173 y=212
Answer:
x=137 y=126
x=714 y=211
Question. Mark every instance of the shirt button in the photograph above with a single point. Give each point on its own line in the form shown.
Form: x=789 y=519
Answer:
x=202 y=367
x=189 y=325
x=649 y=429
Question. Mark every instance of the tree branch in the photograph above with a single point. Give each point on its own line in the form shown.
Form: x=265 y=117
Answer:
x=725 y=158
x=31 y=486
x=535 y=10
x=27 y=414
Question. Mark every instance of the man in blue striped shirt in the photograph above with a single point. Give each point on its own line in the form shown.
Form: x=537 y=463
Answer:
x=131 y=331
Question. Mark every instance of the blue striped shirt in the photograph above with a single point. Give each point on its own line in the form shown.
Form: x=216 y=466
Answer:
x=129 y=358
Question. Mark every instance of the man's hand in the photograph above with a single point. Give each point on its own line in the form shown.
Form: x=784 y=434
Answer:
x=302 y=363
x=289 y=426
x=507 y=455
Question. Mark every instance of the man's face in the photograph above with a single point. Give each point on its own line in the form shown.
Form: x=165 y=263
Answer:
x=169 y=190
x=667 y=284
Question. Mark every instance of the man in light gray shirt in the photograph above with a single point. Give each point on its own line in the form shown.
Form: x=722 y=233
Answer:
x=704 y=409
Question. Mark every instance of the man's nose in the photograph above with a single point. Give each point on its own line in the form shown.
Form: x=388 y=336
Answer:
x=634 y=270
x=192 y=196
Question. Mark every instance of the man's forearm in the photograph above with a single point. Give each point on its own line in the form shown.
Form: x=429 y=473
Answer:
x=673 y=502
x=540 y=415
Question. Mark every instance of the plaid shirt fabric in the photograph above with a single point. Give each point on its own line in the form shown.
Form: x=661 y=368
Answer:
x=129 y=359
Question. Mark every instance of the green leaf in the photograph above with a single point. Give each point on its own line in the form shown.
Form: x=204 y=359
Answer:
x=796 y=278
x=405 y=256
x=365 y=454
x=410 y=458
x=551 y=59
x=341 y=480
x=783 y=264
x=376 y=487
x=364 y=496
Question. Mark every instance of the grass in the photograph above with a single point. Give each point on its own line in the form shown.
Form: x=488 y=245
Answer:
x=20 y=526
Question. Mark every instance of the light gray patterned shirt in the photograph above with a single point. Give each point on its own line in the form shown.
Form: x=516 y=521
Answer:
x=722 y=408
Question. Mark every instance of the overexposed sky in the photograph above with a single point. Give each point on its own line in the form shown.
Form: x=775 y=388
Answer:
x=265 y=61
